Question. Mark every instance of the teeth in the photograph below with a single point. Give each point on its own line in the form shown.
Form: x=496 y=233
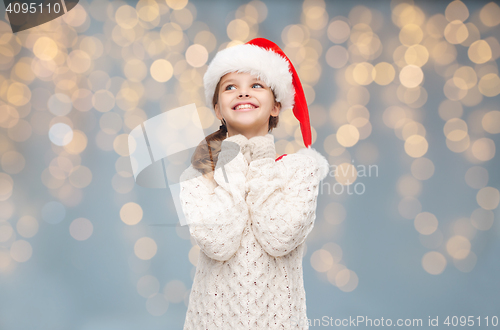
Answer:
x=244 y=106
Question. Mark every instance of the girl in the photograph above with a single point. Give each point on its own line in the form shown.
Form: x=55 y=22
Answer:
x=250 y=217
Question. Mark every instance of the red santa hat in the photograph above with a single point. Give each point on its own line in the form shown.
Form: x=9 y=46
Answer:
x=264 y=59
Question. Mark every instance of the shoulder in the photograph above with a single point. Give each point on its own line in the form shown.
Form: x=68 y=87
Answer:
x=308 y=157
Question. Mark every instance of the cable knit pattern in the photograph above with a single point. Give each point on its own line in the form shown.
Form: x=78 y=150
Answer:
x=249 y=271
x=262 y=146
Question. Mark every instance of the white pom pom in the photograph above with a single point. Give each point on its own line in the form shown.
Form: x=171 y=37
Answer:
x=324 y=167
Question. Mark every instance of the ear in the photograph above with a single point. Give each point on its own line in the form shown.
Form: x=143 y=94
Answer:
x=217 y=111
x=276 y=109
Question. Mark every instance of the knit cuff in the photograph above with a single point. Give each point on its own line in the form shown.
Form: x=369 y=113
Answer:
x=263 y=147
x=239 y=139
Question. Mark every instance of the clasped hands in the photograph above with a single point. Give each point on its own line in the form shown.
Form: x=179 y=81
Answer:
x=257 y=147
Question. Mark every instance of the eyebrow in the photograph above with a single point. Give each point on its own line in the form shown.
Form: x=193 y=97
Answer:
x=229 y=80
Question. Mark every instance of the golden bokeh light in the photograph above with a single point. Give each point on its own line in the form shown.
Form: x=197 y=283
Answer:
x=6 y=232
x=177 y=4
x=456 y=10
x=416 y=146
x=161 y=70
x=460 y=145
x=480 y=52
x=27 y=226
x=358 y=115
x=409 y=186
x=422 y=168
x=6 y=186
x=482 y=219
x=405 y=13
x=453 y=91
x=238 y=29
x=315 y=17
x=458 y=247
x=455 y=129
x=81 y=229
x=12 y=162
x=131 y=213
x=346 y=174
x=465 y=77
x=384 y=73
x=483 y=149
x=332 y=273
x=426 y=223
x=491 y=122
x=126 y=17
x=490 y=14
x=411 y=76
x=332 y=146
x=411 y=34
x=416 y=55
x=196 y=55
x=488 y=198
x=476 y=177
x=489 y=85
x=347 y=280
x=18 y=94
x=456 y=32
x=171 y=34
x=21 y=250
x=434 y=262
x=194 y=254
x=145 y=248
x=79 y=61
x=347 y=135
x=411 y=127
x=338 y=31
x=80 y=176
x=78 y=143
x=45 y=48
x=9 y=116
x=321 y=260
x=121 y=145
x=466 y=264
x=147 y=10
x=363 y=73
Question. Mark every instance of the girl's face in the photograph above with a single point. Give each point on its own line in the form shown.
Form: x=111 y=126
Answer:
x=246 y=103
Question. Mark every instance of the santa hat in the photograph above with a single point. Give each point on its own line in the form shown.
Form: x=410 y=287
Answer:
x=264 y=59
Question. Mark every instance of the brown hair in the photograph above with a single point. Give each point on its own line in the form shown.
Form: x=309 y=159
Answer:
x=206 y=154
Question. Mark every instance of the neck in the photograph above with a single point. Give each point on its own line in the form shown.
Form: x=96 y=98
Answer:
x=248 y=134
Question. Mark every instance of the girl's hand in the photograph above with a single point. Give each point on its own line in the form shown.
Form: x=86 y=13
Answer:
x=242 y=142
x=262 y=146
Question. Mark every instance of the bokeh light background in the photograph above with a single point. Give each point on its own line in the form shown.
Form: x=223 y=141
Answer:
x=404 y=102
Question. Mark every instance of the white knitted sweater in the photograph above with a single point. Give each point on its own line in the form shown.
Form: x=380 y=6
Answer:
x=251 y=233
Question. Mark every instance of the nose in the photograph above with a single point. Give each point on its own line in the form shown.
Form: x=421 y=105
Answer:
x=243 y=94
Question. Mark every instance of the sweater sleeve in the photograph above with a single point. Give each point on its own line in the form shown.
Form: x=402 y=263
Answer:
x=282 y=201
x=216 y=216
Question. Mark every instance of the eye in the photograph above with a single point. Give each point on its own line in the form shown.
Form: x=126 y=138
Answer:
x=258 y=85
x=228 y=86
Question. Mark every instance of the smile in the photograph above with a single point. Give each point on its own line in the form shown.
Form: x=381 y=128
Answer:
x=245 y=107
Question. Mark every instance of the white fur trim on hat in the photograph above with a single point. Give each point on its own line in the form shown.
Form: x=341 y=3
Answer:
x=265 y=64
x=324 y=167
